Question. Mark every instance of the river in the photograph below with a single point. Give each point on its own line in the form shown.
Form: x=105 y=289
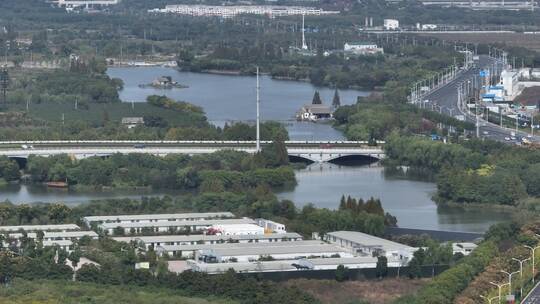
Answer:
x=233 y=98
x=228 y=98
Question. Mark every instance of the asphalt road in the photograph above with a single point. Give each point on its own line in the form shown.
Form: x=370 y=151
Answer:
x=533 y=297
x=447 y=97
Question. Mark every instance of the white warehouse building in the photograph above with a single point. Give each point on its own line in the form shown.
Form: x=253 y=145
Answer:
x=146 y=218
x=169 y=226
x=361 y=244
x=274 y=251
x=203 y=239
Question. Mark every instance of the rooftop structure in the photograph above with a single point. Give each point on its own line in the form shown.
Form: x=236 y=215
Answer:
x=368 y=245
x=236 y=229
x=156 y=217
x=169 y=226
x=271 y=226
x=61 y=227
x=231 y=11
x=362 y=48
x=201 y=239
x=276 y=251
x=314 y=112
x=132 y=122
x=391 y=24
x=56 y=236
x=463 y=248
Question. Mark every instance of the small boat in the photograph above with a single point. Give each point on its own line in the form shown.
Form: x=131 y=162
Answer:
x=57 y=184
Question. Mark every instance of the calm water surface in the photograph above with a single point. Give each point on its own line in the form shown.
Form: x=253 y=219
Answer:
x=229 y=98
x=410 y=201
x=232 y=98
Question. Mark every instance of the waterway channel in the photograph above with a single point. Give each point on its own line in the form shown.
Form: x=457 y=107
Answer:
x=227 y=98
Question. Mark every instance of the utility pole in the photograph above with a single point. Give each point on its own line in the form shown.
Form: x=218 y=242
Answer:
x=258 y=149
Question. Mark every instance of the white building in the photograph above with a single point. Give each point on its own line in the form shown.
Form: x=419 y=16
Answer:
x=391 y=24
x=71 y=4
x=132 y=122
x=226 y=253
x=429 y=27
x=30 y=228
x=463 y=248
x=231 y=11
x=204 y=239
x=168 y=226
x=236 y=229
x=271 y=226
x=146 y=218
x=510 y=80
x=362 y=48
x=361 y=244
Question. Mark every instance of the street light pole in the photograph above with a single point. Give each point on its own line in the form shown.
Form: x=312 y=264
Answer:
x=521 y=273
x=499 y=286
x=489 y=299
x=510 y=274
x=258 y=116
x=533 y=251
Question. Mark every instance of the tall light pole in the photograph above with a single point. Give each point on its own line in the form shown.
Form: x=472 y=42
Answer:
x=499 y=286
x=489 y=299
x=533 y=251
x=258 y=114
x=521 y=273
x=509 y=274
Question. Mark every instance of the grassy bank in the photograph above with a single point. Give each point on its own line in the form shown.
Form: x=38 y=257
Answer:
x=45 y=291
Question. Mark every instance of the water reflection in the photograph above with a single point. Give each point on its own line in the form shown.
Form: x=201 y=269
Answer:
x=408 y=200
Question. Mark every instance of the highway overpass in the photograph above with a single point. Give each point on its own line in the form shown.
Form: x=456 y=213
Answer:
x=314 y=151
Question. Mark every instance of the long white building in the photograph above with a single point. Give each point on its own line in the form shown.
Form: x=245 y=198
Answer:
x=30 y=228
x=231 y=11
x=362 y=244
x=147 y=218
x=171 y=226
x=177 y=241
x=250 y=252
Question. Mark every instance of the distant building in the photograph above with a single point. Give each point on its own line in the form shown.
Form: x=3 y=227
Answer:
x=271 y=226
x=315 y=112
x=463 y=248
x=70 y=5
x=161 y=217
x=362 y=244
x=391 y=24
x=362 y=48
x=132 y=122
x=234 y=10
x=429 y=27
x=236 y=229
x=510 y=80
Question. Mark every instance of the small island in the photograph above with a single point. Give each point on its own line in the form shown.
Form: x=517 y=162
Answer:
x=164 y=82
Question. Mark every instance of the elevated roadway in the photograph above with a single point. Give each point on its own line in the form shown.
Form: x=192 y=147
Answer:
x=315 y=151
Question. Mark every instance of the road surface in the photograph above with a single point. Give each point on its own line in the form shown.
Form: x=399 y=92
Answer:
x=447 y=97
x=533 y=297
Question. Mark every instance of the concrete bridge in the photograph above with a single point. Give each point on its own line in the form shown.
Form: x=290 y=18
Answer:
x=314 y=151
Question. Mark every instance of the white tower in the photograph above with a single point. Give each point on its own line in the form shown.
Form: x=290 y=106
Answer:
x=304 y=45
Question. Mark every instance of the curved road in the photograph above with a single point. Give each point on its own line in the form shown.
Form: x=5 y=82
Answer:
x=447 y=97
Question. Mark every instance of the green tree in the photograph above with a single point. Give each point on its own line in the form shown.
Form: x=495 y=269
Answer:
x=382 y=267
x=336 y=101
x=316 y=98
x=342 y=273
